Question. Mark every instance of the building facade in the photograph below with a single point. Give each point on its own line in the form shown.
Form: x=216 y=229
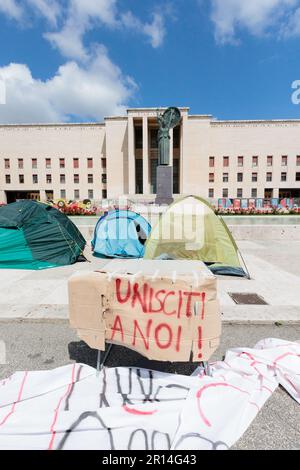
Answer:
x=210 y=158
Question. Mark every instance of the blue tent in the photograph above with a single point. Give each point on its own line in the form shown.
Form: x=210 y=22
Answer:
x=121 y=234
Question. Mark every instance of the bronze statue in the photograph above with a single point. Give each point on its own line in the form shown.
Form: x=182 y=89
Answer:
x=169 y=119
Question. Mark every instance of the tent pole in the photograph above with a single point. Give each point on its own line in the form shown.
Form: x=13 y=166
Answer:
x=206 y=367
x=245 y=266
x=106 y=354
x=99 y=363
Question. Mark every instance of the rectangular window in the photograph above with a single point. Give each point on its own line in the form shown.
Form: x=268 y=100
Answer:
x=103 y=163
x=34 y=163
x=21 y=179
x=62 y=179
x=7 y=179
x=297 y=176
x=76 y=178
x=138 y=131
x=48 y=179
x=104 y=179
x=90 y=179
x=211 y=178
x=90 y=194
x=63 y=193
x=211 y=192
x=283 y=176
x=240 y=177
x=7 y=163
x=225 y=192
x=239 y=192
x=35 y=179
x=62 y=163
x=90 y=163
x=225 y=177
x=298 y=160
x=284 y=160
x=240 y=161
x=269 y=177
x=269 y=160
x=75 y=163
x=76 y=194
x=20 y=163
x=104 y=193
x=211 y=162
x=254 y=177
x=254 y=161
x=48 y=163
x=225 y=161
x=254 y=192
x=153 y=138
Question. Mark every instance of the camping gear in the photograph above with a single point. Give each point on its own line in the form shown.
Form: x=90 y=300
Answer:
x=164 y=310
x=37 y=236
x=190 y=229
x=121 y=234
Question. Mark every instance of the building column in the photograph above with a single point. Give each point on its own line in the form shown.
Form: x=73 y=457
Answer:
x=183 y=130
x=131 y=156
x=171 y=147
x=3 y=196
x=276 y=192
x=42 y=195
x=146 y=188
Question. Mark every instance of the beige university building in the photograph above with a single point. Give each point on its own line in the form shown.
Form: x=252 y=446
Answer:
x=210 y=158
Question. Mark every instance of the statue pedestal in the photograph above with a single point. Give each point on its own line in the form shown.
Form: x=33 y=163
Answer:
x=164 y=185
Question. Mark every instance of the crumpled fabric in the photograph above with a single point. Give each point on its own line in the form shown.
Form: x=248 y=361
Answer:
x=129 y=408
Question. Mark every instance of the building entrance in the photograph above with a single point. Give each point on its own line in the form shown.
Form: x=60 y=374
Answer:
x=13 y=196
x=289 y=193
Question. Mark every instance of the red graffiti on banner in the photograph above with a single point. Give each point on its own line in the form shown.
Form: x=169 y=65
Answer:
x=199 y=342
x=163 y=335
x=152 y=301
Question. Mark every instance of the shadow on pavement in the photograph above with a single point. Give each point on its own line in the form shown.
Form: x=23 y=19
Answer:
x=124 y=357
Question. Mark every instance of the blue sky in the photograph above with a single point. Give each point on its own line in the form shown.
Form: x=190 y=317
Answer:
x=80 y=60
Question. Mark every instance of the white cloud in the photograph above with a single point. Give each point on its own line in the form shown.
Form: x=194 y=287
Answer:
x=11 y=8
x=85 y=15
x=258 y=17
x=82 y=16
x=87 y=93
x=49 y=9
x=292 y=27
x=89 y=85
x=155 y=31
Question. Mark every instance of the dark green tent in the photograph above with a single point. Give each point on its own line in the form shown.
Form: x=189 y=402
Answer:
x=37 y=236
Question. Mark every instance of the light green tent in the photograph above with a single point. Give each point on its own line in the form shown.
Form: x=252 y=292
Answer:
x=190 y=229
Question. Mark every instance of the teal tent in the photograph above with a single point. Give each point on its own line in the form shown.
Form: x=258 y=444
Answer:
x=37 y=236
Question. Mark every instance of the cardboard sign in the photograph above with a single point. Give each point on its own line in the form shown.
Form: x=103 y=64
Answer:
x=165 y=310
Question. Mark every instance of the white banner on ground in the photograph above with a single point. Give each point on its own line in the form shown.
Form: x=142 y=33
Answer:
x=128 y=408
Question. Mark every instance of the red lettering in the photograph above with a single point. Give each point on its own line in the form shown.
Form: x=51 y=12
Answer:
x=118 y=291
x=117 y=326
x=137 y=327
x=188 y=304
x=156 y=296
x=137 y=296
x=199 y=341
x=164 y=303
x=203 y=304
x=179 y=304
x=178 y=339
x=157 y=331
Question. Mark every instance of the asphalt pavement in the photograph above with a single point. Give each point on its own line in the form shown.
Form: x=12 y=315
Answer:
x=46 y=344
